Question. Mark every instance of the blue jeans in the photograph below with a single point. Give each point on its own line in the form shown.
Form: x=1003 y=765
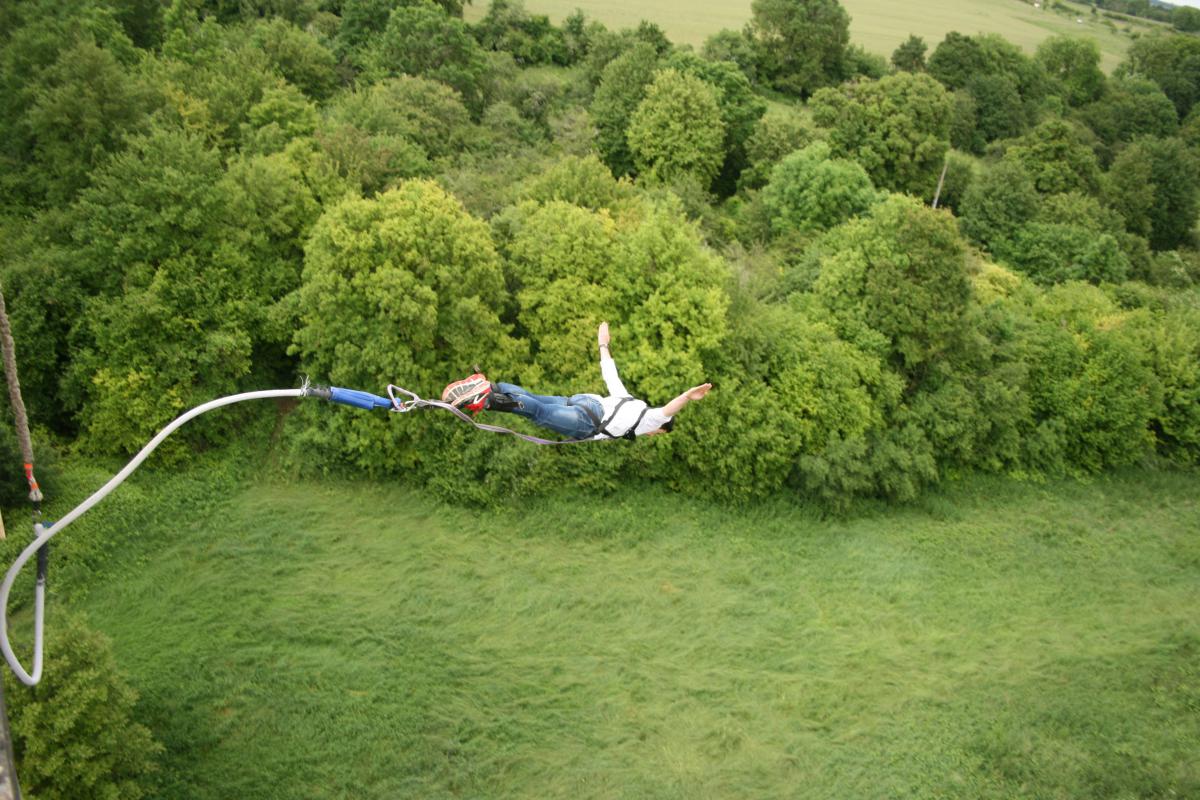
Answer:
x=563 y=415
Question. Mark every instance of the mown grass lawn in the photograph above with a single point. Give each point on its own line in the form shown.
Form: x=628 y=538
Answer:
x=997 y=640
x=877 y=25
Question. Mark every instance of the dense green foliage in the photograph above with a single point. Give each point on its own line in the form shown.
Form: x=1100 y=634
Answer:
x=910 y=55
x=75 y=734
x=677 y=130
x=621 y=90
x=799 y=45
x=218 y=200
x=810 y=191
x=1000 y=88
x=897 y=127
x=210 y=197
x=1075 y=64
x=1172 y=62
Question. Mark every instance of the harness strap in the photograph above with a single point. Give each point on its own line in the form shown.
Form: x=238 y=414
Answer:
x=604 y=425
x=592 y=415
x=631 y=434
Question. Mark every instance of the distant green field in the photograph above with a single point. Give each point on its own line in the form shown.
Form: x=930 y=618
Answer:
x=346 y=640
x=877 y=25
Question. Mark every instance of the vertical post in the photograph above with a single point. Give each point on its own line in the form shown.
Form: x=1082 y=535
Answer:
x=941 y=180
x=9 y=788
x=18 y=405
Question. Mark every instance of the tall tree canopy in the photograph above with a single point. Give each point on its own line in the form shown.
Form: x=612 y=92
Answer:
x=1075 y=64
x=677 y=129
x=621 y=89
x=897 y=127
x=421 y=39
x=800 y=44
x=1173 y=62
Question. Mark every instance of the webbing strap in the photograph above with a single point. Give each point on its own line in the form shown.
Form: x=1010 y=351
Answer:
x=415 y=402
x=612 y=416
x=632 y=432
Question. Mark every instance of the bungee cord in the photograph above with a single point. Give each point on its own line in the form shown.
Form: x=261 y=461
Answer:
x=43 y=533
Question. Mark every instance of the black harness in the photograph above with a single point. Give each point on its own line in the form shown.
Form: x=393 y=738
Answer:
x=602 y=425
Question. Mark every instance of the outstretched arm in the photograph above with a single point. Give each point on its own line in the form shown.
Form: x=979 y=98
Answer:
x=695 y=393
x=608 y=368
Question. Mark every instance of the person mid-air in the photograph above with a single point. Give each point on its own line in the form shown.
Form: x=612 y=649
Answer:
x=580 y=416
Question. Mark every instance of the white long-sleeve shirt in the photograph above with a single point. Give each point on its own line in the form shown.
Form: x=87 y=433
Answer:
x=630 y=410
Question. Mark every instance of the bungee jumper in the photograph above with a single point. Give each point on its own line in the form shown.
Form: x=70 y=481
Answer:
x=580 y=417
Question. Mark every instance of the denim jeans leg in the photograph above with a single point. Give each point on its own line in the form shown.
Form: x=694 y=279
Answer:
x=548 y=399
x=549 y=411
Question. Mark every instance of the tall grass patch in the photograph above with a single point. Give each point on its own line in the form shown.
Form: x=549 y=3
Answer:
x=326 y=640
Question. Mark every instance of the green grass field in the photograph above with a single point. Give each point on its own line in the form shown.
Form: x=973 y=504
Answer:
x=877 y=25
x=329 y=640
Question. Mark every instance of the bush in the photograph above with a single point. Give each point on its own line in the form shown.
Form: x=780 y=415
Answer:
x=1172 y=344
x=1093 y=394
x=677 y=129
x=406 y=287
x=75 y=734
x=788 y=395
x=811 y=191
x=902 y=250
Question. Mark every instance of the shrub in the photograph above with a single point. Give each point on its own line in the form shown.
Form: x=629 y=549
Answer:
x=677 y=130
x=406 y=287
x=810 y=191
x=1092 y=392
x=75 y=734
x=902 y=250
x=789 y=395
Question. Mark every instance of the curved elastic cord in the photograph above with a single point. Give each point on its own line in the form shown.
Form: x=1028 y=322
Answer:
x=43 y=534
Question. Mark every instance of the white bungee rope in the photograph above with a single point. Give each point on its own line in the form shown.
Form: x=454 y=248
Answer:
x=43 y=534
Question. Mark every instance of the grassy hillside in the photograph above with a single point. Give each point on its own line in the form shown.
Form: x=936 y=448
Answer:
x=877 y=25
x=325 y=640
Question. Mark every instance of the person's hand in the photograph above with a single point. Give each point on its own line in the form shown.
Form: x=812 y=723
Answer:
x=602 y=337
x=698 y=392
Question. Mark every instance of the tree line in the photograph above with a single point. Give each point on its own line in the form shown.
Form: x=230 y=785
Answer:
x=211 y=197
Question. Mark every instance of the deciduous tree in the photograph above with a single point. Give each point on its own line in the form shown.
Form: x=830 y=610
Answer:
x=898 y=128
x=1153 y=183
x=810 y=191
x=902 y=249
x=1075 y=64
x=800 y=44
x=1129 y=108
x=909 y=56
x=621 y=90
x=1057 y=158
x=1173 y=62
x=421 y=39
x=677 y=129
